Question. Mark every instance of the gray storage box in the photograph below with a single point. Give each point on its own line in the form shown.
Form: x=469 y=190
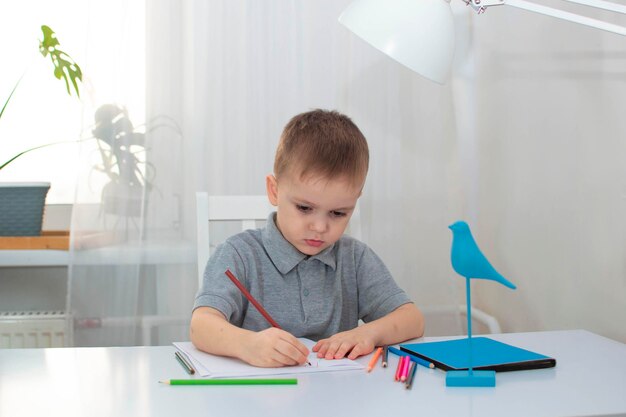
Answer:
x=21 y=208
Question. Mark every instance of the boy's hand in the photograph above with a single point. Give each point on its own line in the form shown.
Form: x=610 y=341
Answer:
x=354 y=343
x=272 y=348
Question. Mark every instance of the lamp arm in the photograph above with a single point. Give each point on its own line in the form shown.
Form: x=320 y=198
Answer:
x=481 y=5
x=601 y=4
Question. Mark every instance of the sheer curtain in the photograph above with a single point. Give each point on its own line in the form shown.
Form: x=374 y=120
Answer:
x=525 y=142
x=222 y=79
x=131 y=278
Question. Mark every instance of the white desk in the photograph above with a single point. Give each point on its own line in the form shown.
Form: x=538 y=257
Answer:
x=589 y=379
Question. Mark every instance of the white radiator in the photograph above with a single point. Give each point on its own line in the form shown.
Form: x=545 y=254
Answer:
x=34 y=329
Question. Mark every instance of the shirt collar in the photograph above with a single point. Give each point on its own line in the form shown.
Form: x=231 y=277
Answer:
x=284 y=255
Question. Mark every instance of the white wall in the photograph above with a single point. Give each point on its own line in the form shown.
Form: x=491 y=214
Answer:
x=552 y=172
x=527 y=143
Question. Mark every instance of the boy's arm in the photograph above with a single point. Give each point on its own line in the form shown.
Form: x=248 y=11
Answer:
x=212 y=333
x=404 y=323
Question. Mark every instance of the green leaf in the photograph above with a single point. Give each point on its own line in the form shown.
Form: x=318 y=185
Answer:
x=64 y=66
x=10 y=95
x=37 y=147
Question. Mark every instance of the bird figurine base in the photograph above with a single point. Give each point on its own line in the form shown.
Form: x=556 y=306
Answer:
x=471 y=378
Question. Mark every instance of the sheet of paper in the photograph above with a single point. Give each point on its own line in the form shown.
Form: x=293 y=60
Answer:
x=221 y=367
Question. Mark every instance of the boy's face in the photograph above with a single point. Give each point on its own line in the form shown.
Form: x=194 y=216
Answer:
x=312 y=214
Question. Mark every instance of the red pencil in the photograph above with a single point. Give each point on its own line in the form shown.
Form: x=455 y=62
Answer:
x=250 y=298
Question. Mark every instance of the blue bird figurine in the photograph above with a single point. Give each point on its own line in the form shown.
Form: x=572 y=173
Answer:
x=469 y=262
x=467 y=259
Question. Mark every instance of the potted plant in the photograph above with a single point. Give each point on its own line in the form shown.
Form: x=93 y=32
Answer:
x=22 y=204
x=121 y=147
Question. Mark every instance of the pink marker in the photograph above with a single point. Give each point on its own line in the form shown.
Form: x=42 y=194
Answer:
x=405 y=369
x=399 y=368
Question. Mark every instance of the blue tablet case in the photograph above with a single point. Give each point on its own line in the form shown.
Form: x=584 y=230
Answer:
x=486 y=354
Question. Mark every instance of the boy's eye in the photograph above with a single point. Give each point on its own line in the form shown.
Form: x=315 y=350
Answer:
x=302 y=208
x=337 y=213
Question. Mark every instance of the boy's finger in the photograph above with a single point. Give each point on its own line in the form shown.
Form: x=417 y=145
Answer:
x=284 y=359
x=321 y=348
x=299 y=352
x=343 y=349
x=357 y=351
x=298 y=345
x=332 y=350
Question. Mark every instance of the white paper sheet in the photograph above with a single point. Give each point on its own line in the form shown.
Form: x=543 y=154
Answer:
x=221 y=367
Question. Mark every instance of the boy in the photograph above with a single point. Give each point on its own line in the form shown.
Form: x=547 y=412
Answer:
x=314 y=282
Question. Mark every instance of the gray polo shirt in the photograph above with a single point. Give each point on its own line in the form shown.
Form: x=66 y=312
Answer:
x=308 y=296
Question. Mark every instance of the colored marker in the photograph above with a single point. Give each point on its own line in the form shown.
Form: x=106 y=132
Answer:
x=414 y=358
x=255 y=381
x=409 y=381
x=374 y=359
x=405 y=369
x=399 y=368
x=385 y=355
x=185 y=364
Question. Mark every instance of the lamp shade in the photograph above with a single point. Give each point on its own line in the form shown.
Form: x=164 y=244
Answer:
x=417 y=33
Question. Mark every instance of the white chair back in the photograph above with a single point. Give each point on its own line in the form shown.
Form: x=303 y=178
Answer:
x=249 y=210
x=246 y=209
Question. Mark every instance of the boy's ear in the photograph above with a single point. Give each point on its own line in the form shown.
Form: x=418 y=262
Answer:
x=271 y=186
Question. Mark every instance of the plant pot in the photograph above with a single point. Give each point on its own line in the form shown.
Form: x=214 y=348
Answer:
x=21 y=207
x=122 y=199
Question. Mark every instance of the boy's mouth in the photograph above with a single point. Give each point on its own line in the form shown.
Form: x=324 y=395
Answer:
x=313 y=242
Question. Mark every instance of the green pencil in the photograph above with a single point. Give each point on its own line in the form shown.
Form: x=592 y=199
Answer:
x=255 y=381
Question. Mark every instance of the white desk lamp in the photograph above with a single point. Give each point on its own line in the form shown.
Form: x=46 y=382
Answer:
x=420 y=33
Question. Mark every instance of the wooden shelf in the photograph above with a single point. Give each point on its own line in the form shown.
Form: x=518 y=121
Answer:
x=60 y=240
x=49 y=239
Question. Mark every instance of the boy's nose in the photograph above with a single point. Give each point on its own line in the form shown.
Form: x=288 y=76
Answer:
x=319 y=225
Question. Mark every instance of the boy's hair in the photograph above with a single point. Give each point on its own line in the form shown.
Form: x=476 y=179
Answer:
x=322 y=143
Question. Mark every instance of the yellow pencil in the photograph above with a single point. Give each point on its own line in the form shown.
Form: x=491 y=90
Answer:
x=374 y=359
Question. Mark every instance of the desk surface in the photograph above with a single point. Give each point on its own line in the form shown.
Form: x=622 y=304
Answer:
x=589 y=379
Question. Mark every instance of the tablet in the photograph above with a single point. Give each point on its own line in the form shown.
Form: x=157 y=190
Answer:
x=484 y=353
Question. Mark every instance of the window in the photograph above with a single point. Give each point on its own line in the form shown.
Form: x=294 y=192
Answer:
x=107 y=39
